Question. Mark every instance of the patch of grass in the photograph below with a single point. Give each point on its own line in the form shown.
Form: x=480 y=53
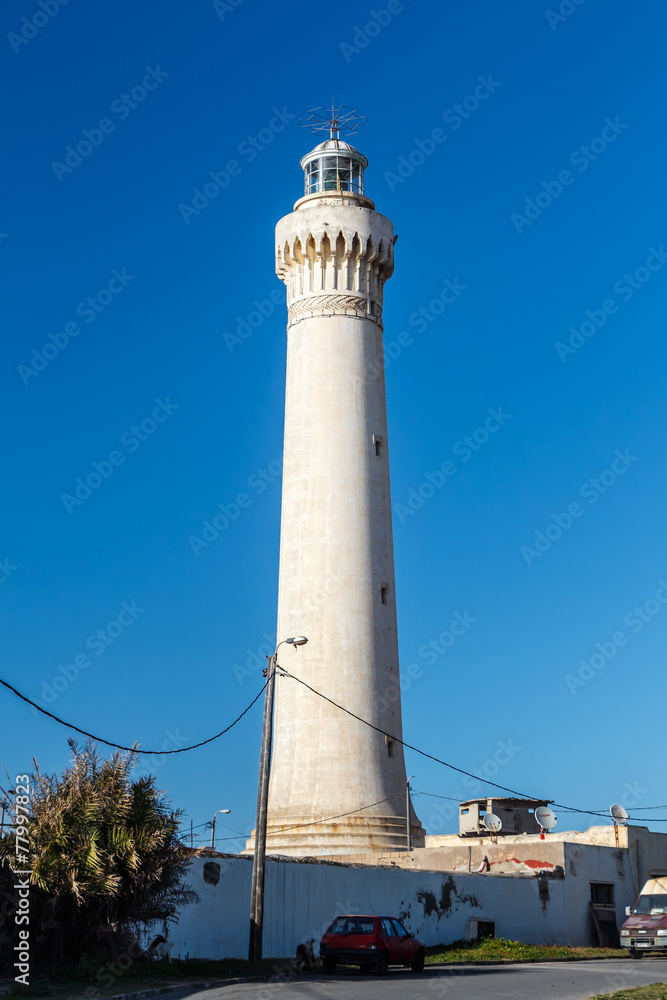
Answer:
x=495 y=949
x=658 y=991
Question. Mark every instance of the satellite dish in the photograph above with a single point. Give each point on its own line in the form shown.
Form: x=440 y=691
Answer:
x=545 y=817
x=493 y=823
x=618 y=814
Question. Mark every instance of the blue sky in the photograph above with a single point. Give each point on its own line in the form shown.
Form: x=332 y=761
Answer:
x=542 y=202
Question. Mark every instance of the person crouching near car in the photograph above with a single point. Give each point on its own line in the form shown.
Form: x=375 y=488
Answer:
x=305 y=956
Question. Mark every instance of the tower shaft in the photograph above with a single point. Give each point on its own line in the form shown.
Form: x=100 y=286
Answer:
x=337 y=786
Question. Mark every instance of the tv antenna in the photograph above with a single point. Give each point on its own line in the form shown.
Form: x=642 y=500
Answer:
x=493 y=824
x=619 y=815
x=336 y=121
x=620 y=818
x=546 y=819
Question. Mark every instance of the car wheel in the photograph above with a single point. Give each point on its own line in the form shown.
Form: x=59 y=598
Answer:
x=366 y=969
x=382 y=965
x=328 y=966
x=636 y=954
x=418 y=964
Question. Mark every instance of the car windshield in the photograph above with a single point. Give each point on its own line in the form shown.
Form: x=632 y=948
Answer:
x=352 y=925
x=651 y=904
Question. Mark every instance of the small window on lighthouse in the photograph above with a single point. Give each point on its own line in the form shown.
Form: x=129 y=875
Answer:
x=390 y=747
x=384 y=593
x=377 y=441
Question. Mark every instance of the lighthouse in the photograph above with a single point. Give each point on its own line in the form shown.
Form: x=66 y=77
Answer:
x=337 y=786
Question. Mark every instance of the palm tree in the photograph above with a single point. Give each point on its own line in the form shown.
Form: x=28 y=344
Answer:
x=104 y=855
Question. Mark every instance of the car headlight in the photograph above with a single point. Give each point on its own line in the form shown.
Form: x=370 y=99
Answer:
x=625 y=933
x=662 y=932
x=372 y=947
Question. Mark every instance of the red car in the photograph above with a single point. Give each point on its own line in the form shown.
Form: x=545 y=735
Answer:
x=372 y=943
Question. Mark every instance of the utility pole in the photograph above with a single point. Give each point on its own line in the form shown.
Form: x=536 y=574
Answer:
x=259 y=855
x=407 y=811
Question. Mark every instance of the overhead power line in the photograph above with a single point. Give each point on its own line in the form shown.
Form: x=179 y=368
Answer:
x=422 y=753
x=433 y=795
x=286 y=673
x=134 y=749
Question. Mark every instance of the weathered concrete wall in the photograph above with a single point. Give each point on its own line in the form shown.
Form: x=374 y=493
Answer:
x=303 y=898
x=505 y=857
x=590 y=863
x=647 y=850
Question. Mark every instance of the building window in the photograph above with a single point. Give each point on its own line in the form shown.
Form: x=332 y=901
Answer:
x=384 y=592
x=377 y=441
x=391 y=749
x=603 y=893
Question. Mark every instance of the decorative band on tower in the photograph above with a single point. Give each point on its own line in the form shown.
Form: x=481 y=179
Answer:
x=334 y=271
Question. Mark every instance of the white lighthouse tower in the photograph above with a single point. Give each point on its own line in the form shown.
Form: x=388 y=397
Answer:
x=337 y=786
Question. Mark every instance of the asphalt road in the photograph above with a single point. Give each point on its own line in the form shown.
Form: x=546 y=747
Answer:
x=539 y=981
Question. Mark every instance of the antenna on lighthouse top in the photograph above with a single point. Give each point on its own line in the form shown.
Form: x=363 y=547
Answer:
x=336 y=121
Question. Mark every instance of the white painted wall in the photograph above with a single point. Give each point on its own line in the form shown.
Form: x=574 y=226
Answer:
x=302 y=899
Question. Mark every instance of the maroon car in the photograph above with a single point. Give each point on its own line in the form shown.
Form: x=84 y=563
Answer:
x=372 y=943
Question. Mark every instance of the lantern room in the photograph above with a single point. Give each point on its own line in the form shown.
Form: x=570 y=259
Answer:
x=333 y=166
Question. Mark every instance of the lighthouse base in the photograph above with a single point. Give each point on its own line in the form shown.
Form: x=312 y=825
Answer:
x=305 y=837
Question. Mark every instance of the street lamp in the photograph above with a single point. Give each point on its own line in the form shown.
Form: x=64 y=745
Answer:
x=225 y=812
x=259 y=856
x=407 y=810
